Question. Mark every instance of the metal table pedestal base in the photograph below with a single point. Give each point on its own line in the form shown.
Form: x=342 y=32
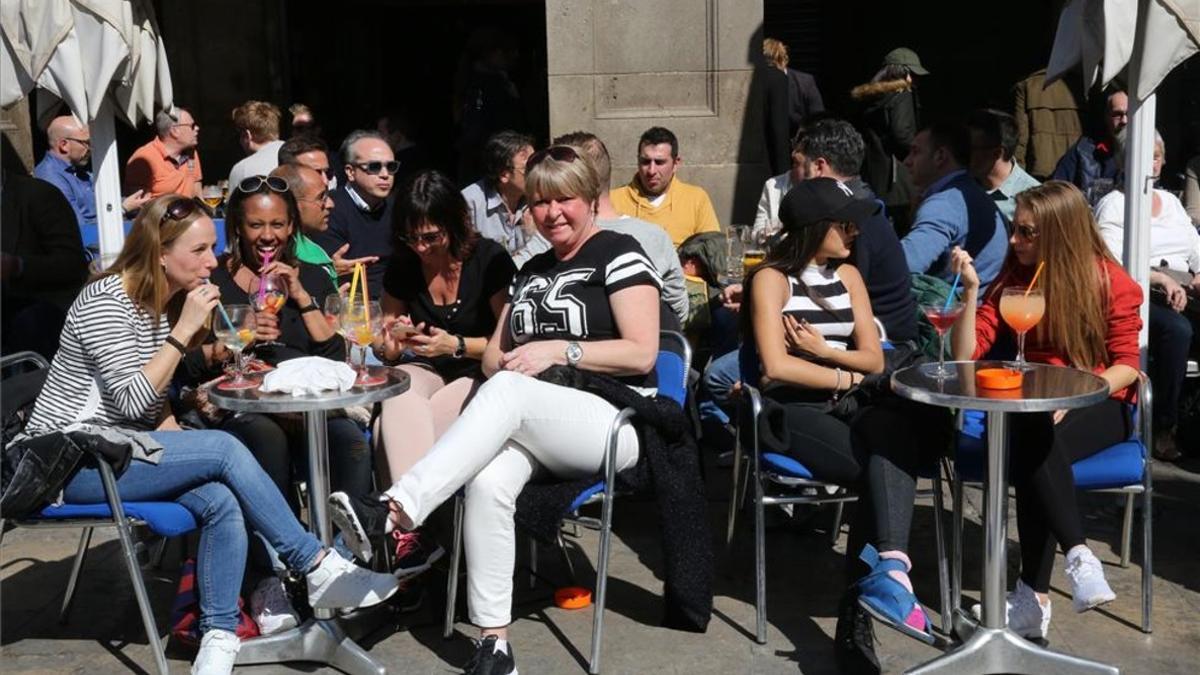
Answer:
x=999 y=650
x=316 y=640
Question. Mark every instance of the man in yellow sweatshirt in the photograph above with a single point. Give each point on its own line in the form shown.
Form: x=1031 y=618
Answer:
x=656 y=195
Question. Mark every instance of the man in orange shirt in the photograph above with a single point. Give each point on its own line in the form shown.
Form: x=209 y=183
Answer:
x=170 y=162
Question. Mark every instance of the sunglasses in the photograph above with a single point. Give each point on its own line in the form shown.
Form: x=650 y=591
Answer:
x=374 y=168
x=1027 y=232
x=559 y=153
x=255 y=183
x=193 y=125
x=426 y=238
x=182 y=208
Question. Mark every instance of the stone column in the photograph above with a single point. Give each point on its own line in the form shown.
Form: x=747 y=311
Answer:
x=618 y=67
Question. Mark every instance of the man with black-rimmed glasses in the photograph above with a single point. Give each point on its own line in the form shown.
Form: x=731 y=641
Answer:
x=67 y=166
x=168 y=163
x=362 y=208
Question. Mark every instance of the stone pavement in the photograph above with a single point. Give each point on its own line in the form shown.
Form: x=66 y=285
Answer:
x=104 y=634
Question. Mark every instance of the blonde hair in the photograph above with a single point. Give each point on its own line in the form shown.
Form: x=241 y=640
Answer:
x=1074 y=283
x=260 y=118
x=553 y=178
x=139 y=262
x=775 y=52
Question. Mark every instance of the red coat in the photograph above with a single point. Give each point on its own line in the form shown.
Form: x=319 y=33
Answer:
x=1121 y=339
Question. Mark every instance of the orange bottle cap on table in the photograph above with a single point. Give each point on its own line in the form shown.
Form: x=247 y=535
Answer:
x=998 y=378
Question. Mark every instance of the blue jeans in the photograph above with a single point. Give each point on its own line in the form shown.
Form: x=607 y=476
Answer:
x=718 y=381
x=213 y=475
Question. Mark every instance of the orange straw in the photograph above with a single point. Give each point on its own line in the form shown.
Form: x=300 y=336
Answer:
x=1031 y=283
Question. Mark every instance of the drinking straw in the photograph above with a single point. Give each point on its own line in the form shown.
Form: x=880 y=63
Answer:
x=224 y=315
x=354 y=282
x=262 y=278
x=950 y=296
x=1035 y=277
x=366 y=302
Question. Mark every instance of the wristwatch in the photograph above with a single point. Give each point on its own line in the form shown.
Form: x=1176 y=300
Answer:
x=461 y=350
x=574 y=354
x=310 y=307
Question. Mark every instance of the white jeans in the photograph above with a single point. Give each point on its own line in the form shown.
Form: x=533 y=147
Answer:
x=516 y=425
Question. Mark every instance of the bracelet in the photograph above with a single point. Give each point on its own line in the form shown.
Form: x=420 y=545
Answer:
x=310 y=307
x=177 y=345
x=837 y=387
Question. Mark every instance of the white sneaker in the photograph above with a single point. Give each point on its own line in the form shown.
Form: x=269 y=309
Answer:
x=271 y=608
x=337 y=582
x=1086 y=576
x=218 y=651
x=1026 y=616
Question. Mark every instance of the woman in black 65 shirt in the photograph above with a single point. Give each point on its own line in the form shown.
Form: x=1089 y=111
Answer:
x=590 y=302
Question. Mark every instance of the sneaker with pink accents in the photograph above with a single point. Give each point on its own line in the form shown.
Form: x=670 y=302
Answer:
x=415 y=552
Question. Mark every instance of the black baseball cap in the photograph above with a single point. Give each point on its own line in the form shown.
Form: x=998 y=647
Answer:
x=812 y=201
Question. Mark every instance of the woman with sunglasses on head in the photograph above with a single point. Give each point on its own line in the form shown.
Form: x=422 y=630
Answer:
x=1091 y=322
x=810 y=319
x=442 y=293
x=124 y=337
x=591 y=302
x=261 y=221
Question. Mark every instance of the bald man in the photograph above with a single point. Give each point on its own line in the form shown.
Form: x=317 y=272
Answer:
x=67 y=166
x=312 y=197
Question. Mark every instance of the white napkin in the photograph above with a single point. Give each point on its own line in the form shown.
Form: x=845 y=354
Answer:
x=309 y=375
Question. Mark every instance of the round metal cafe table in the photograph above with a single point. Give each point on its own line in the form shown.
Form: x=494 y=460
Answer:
x=992 y=647
x=320 y=639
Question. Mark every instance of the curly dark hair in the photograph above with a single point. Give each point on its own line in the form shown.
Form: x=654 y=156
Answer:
x=235 y=217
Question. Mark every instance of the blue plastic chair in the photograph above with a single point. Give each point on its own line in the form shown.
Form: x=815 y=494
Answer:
x=167 y=519
x=1124 y=468
x=671 y=371
x=768 y=469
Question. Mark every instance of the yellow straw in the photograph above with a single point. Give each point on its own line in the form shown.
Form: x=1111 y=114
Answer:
x=366 y=302
x=1033 y=281
x=354 y=282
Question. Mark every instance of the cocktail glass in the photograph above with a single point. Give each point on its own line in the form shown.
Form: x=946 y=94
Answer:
x=942 y=316
x=236 y=339
x=270 y=297
x=360 y=327
x=1021 y=310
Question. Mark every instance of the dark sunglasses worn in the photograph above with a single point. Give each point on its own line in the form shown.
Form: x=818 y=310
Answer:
x=374 y=168
x=559 y=153
x=255 y=183
x=182 y=208
x=1026 y=232
x=426 y=238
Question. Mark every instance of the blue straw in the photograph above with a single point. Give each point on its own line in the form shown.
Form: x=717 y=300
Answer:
x=950 y=297
x=224 y=315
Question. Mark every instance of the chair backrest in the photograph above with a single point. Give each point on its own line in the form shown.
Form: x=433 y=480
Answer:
x=671 y=367
x=24 y=374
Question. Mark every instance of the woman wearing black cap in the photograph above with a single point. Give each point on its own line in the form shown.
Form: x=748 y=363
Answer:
x=811 y=321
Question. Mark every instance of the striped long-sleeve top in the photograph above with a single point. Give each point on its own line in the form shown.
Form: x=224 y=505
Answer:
x=96 y=376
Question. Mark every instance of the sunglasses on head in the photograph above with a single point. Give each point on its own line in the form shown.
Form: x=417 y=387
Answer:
x=255 y=183
x=559 y=153
x=426 y=238
x=375 y=167
x=182 y=208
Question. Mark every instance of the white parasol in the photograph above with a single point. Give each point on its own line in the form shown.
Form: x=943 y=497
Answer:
x=101 y=58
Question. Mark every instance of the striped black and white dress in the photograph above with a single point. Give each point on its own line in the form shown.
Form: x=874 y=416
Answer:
x=834 y=321
x=96 y=376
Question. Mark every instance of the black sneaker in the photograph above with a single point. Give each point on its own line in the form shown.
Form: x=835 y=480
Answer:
x=360 y=518
x=415 y=552
x=488 y=661
x=854 y=637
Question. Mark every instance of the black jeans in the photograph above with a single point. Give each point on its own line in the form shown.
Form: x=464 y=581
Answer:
x=280 y=446
x=1171 y=336
x=880 y=450
x=1040 y=457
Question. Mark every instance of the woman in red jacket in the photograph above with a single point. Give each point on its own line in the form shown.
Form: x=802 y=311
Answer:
x=1092 y=323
